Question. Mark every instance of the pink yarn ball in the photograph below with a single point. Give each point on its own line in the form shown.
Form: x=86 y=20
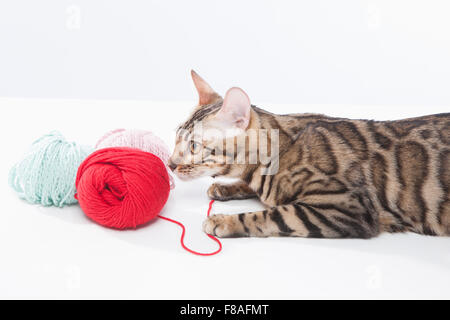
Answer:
x=137 y=139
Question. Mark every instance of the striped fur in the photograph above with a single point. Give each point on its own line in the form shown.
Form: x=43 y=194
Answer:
x=338 y=178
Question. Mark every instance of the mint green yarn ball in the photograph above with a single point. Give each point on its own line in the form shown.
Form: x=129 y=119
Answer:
x=48 y=171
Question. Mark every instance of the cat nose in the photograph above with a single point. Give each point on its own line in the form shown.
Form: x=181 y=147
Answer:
x=172 y=165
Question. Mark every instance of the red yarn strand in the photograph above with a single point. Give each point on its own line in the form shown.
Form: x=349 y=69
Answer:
x=184 y=232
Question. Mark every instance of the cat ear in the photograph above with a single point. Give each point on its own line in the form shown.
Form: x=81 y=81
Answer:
x=235 y=111
x=206 y=94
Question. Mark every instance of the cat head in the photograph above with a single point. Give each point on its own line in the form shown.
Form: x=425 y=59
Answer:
x=211 y=141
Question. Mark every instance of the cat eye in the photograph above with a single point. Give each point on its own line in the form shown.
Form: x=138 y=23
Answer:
x=195 y=147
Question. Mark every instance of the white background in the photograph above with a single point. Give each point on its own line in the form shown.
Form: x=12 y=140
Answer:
x=85 y=67
x=59 y=253
x=324 y=51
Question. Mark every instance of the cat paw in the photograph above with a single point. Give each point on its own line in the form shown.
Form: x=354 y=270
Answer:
x=217 y=225
x=219 y=192
x=225 y=192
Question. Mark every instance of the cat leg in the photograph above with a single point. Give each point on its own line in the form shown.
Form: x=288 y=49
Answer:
x=234 y=191
x=295 y=220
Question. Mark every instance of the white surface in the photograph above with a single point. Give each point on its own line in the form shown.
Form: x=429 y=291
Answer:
x=59 y=253
x=349 y=51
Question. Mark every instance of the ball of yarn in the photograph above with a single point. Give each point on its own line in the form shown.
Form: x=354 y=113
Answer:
x=47 y=173
x=135 y=138
x=138 y=139
x=122 y=187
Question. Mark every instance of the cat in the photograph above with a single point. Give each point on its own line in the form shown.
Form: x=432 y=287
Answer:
x=335 y=177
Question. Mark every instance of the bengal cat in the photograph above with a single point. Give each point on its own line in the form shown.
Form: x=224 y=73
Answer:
x=336 y=178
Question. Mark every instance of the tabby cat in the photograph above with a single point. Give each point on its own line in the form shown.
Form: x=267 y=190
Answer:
x=335 y=178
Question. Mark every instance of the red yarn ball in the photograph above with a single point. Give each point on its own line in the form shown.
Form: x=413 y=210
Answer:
x=122 y=187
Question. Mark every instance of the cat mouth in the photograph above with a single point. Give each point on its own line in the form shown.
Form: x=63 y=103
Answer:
x=185 y=177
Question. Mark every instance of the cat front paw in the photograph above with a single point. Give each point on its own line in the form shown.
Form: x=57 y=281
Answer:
x=219 y=192
x=222 y=226
x=234 y=191
x=214 y=225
